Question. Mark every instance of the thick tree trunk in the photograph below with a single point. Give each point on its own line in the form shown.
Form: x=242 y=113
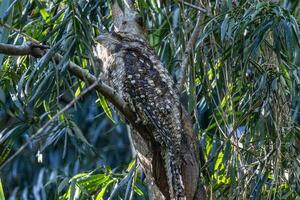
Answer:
x=148 y=150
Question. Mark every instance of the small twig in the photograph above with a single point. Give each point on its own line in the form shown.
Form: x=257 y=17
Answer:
x=196 y=7
x=188 y=51
x=18 y=31
x=46 y=125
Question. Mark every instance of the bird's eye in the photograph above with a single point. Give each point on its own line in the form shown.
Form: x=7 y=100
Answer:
x=116 y=35
x=139 y=20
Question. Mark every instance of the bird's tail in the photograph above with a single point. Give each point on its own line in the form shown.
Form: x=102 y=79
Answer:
x=176 y=187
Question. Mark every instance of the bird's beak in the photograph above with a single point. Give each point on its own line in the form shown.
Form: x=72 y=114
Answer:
x=106 y=38
x=101 y=38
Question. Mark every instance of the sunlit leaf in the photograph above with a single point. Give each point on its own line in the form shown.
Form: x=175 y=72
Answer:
x=102 y=101
x=101 y=194
x=2 y=197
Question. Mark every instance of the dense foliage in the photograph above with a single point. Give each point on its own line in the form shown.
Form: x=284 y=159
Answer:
x=242 y=92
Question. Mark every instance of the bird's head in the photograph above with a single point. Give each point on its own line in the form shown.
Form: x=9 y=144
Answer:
x=115 y=41
x=111 y=41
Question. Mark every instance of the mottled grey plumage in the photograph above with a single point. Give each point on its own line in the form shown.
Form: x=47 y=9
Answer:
x=134 y=71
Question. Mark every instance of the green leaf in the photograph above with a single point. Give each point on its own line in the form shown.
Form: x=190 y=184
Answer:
x=138 y=190
x=79 y=133
x=79 y=89
x=126 y=180
x=40 y=90
x=219 y=162
x=6 y=151
x=78 y=176
x=103 y=190
x=72 y=190
x=105 y=107
x=47 y=108
x=2 y=197
x=6 y=133
x=224 y=27
x=97 y=179
x=62 y=185
x=45 y=15
x=131 y=164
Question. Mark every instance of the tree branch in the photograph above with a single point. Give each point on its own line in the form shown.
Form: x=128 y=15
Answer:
x=189 y=47
x=150 y=154
x=196 y=7
x=108 y=92
x=148 y=149
x=37 y=50
x=30 y=48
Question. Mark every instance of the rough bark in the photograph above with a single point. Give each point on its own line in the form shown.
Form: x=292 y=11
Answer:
x=148 y=151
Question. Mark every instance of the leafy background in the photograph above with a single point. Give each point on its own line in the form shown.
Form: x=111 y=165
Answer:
x=242 y=92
